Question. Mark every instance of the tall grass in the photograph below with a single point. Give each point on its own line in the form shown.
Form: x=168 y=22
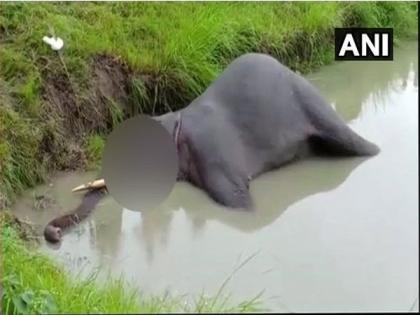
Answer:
x=178 y=47
x=34 y=284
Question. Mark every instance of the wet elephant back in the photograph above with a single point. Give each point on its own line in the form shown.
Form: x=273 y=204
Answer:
x=257 y=95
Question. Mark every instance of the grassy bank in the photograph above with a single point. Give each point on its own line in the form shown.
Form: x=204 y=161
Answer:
x=124 y=58
x=34 y=284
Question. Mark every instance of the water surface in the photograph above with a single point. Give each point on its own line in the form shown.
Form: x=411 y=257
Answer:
x=329 y=234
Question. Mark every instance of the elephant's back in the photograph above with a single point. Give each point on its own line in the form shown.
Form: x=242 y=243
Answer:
x=255 y=86
x=257 y=95
x=251 y=76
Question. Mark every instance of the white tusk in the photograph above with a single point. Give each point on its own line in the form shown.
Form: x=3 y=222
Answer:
x=96 y=184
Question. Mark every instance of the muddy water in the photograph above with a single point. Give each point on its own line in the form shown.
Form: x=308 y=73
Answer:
x=329 y=235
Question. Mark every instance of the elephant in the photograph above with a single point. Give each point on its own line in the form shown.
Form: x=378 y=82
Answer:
x=255 y=117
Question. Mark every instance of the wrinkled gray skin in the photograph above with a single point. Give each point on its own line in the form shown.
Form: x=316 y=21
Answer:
x=255 y=117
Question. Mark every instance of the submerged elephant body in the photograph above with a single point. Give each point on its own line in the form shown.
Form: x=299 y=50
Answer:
x=255 y=117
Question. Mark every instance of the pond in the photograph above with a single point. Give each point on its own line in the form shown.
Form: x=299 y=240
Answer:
x=331 y=234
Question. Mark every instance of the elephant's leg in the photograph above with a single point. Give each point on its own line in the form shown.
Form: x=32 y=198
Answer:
x=228 y=190
x=328 y=131
x=341 y=140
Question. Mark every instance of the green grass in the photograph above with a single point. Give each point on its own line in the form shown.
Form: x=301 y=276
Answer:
x=172 y=52
x=34 y=284
x=94 y=147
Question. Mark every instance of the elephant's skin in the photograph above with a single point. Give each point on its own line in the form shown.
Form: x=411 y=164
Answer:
x=255 y=117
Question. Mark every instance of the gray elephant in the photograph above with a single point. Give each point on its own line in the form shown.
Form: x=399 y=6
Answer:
x=256 y=116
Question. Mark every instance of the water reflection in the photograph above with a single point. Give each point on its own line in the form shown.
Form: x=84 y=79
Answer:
x=273 y=193
x=108 y=236
x=154 y=229
x=348 y=85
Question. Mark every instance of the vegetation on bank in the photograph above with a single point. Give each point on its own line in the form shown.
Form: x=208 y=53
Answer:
x=120 y=59
x=34 y=284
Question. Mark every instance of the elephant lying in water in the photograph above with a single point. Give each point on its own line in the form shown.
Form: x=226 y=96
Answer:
x=257 y=116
